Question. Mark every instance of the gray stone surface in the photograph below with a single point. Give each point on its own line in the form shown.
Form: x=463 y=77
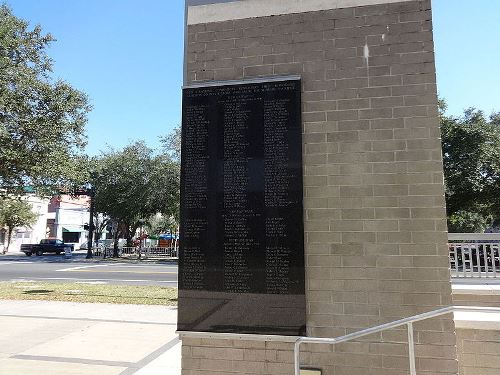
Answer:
x=46 y=338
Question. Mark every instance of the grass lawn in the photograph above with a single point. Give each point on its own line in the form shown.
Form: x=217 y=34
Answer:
x=92 y=293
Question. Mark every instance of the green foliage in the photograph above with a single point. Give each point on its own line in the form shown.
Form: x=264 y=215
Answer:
x=41 y=121
x=471 y=157
x=134 y=184
x=159 y=224
x=171 y=144
x=15 y=213
x=467 y=222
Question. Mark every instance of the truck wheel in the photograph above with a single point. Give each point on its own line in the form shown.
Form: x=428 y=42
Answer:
x=39 y=252
x=28 y=254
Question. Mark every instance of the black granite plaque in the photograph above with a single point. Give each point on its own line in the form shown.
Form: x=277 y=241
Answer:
x=241 y=259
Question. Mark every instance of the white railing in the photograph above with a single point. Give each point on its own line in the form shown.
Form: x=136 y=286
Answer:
x=127 y=250
x=158 y=252
x=142 y=253
x=475 y=255
x=384 y=327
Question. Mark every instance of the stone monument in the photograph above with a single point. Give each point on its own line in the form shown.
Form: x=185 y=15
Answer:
x=312 y=187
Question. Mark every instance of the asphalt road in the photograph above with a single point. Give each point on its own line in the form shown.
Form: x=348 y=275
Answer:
x=56 y=268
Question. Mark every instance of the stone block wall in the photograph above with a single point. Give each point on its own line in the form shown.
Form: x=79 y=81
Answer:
x=478 y=351
x=476 y=298
x=374 y=212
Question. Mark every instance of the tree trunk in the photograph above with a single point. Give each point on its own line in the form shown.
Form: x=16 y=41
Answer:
x=9 y=238
x=130 y=232
x=129 y=239
x=115 y=243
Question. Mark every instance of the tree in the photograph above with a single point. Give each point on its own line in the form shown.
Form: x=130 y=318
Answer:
x=15 y=213
x=41 y=121
x=467 y=222
x=134 y=184
x=171 y=151
x=171 y=144
x=100 y=224
x=471 y=157
x=159 y=224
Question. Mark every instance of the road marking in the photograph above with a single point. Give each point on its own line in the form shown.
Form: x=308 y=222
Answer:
x=119 y=271
x=80 y=279
x=81 y=267
x=18 y=262
x=123 y=265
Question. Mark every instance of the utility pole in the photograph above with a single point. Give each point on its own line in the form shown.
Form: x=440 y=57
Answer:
x=91 y=224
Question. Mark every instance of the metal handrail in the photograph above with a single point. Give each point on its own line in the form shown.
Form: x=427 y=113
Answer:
x=384 y=327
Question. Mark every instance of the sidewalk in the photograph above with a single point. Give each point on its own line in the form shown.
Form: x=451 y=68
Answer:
x=64 y=338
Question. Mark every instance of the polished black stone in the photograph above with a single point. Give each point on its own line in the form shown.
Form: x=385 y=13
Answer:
x=241 y=259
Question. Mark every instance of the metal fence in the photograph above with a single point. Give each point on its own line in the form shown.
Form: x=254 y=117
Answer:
x=158 y=252
x=138 y=253
x=474 y=255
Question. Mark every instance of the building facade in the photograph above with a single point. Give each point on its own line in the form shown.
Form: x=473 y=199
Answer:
x=61 y=217
x=31 y=234
x=66 y=218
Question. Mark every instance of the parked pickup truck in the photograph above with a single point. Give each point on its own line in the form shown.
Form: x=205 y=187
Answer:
x=46 y=246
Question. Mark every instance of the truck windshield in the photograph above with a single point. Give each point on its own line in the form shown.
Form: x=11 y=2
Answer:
x=50 y=241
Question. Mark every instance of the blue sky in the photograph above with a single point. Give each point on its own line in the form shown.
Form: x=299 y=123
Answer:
x=127 y=56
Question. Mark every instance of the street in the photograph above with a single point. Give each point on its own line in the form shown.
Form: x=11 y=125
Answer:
x=56 y=268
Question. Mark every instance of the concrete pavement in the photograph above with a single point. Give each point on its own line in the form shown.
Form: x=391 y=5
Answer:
x=64 y=338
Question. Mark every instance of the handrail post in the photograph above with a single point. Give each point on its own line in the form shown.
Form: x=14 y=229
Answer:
x=296 y=353
x=411 y=349
x=383 y=327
